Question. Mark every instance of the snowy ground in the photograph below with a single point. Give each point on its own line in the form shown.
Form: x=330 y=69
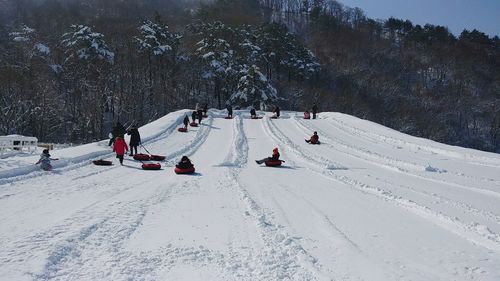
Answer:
x=369 y=203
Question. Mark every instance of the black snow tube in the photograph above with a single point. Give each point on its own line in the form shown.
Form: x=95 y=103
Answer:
x=194 y=124
x=180 y=171
x=151 y=166
x=101 y=162
x=228 y=117
x=182 y=130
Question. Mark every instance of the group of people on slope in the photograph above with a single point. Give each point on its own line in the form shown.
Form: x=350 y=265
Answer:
x=307 y=115
x=118 y=141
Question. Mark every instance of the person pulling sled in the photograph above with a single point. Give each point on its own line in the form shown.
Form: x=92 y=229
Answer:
x=186 y=121
x=274 y=157
x=135 y=139
x=120 y=147
x=45 y=160
x=314 y=139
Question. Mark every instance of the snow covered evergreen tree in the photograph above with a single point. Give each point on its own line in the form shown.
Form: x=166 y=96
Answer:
x=254 y=89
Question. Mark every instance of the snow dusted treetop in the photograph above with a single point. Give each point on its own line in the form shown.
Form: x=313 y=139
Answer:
x=83 y=44
x=156 y=39
x=24 y=35
x=254 y=89
x=27 y=39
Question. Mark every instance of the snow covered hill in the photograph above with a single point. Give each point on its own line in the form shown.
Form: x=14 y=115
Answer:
x=369 y=203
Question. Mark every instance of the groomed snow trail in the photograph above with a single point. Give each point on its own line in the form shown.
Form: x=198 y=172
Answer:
x=369 y=203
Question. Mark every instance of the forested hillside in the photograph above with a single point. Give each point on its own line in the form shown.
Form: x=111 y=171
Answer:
x=69 y=68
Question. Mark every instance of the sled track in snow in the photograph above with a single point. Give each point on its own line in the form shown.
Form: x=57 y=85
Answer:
x=475 y=233
x=395 y=164
x=452 y=203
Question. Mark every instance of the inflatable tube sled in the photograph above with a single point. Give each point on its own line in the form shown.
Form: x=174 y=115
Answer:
x=273 y=163
x=274 y=117
x=157 y=158
x=308 y=117
x=228 y=117
x=182 y=130
x=151 y=166
x=310 y=142
x=194 y=124
x=141 y=157
x=101 y=162
x=256 y=117
x=180 y=171
x=205 y=116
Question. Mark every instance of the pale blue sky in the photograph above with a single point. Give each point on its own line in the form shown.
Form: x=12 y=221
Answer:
x=483 y=15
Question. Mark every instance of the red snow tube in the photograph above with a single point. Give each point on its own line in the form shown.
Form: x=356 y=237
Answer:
x=273 y=163
x=205 y=116
x=184 y=171
x=151 y=166
x=227 y=117
x=101 y=162
x=141 y=157
x=157 y=158
x=183 y=130
x=194 y=124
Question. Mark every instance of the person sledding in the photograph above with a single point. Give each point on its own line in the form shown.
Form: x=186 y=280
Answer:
x=45 y=160
x=314 y=139
x=135 y=139
x=184 y=164
x=275 y=157
x=186 y=122
x=120 y=147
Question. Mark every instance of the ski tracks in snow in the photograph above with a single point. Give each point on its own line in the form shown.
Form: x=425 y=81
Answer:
x=475 y=233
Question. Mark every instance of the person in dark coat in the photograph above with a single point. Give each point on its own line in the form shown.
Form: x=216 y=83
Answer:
x=274 y=157
x=186 y=121
x=135 y=139
x=314 y=110
x=185 y=163
x=205 y=109
x=229 y=111
x=193 y=116
x=277 y=111
x=253 y=114
x=118 y=131
x=199 y=114
x=314 y=139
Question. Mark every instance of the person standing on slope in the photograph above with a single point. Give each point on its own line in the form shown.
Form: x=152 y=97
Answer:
x=193 y=116
x=45 y=160
x=118 y=131
x=205 y=110
x=274 y=157
x=277 y=111
x=315 y=111
x=199 y=114
x=120 y=147
x=253 y=114
x=186 y=121
x=135 y=139
x=229 y=111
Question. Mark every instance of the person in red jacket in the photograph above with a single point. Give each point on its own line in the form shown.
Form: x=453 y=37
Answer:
x=120 y=147
x=314 y=139
x=274 y=157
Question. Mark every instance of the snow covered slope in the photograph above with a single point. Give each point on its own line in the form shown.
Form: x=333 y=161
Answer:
x=369 y=203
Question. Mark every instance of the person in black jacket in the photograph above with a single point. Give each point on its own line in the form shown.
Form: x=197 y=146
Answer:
x=135 y=139
x=229 y=111
x=314 y=110
x=193 y=116
x=186 y=121
x=199 y=114
x=205 y=109
x=118 y=131
x=185 y=163
x=253 y=114
x=277 y=111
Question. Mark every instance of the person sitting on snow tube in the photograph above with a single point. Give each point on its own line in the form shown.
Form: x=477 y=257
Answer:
x=314 y=139
x=274 y=157
x=185 y=163
x=307 y=115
